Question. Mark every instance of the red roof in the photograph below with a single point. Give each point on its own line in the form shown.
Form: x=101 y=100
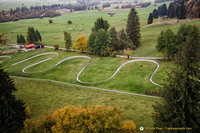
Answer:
x=30 y=45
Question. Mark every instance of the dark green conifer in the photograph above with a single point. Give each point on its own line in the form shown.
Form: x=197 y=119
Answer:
x=18 y=39
x=180 y=104
x=100 y=24
x=171 y=11
x=12 y=111
x=114 y=39
x=163 y=10
x=150 y=19
x=133 y=28
x=155 y=13
x=181 y=13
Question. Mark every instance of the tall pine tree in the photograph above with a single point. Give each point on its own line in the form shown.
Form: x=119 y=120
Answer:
x=150 y=19
x=114 y=39
x=38 y=36
x=171 y=11
x=163 y=10
x=155 y=13
x=100 y=24
x=181 y=13
x=180 y=104
x=12 y=111
x=22 y=39
x=133 y=28
x=18 y=39
x=31 y=35
x=68 y=40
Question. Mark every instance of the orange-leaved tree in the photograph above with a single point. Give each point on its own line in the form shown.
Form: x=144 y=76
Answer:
x=81 y=43
x=81 y=120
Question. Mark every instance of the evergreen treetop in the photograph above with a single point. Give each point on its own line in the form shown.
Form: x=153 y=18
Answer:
x=12 y=111
x=180 y=104
x=100 y=24
x=133 y=28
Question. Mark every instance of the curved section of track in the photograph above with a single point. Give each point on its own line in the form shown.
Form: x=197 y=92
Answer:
x=89 y=60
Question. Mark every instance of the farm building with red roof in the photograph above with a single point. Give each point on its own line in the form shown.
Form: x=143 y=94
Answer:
x=30 y=46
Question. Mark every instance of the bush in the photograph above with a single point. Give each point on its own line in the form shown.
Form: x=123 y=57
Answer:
x=154 y=93
x=127 y=52
x=114 y=53
x=56 y=46
x=50 y=21
x=78 y=119
x=69 y=22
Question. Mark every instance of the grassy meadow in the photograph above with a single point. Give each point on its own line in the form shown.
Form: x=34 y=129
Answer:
x=41 y=100
x=83 y=21
x=45 y=96
x=133 y=77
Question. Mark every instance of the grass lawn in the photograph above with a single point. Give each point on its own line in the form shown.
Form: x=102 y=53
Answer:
x=133 y=77
x=44 y=97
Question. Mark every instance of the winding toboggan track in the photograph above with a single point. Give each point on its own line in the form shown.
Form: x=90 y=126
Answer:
x=79 y=73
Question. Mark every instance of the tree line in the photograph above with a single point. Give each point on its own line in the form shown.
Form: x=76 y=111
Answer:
x=161 y=1
x=3 y=38
x=105 y=40
x=170 y=43
x=179 y=106
x=37 y=11
x=179 y=9
x=33 y=36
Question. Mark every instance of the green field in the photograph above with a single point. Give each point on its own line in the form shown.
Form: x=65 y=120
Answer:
x=41 y=100
x=133 y=77
x=44 y=96
x=83 y=21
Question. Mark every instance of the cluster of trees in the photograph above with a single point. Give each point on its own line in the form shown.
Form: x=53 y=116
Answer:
x=3 y=39
x=12 y=111
x=25 y=13
x=193 y=8
x=106 y=5
x=33 y=36
x=171 y=44
x=161 y=1
x=38 y=11
x=179 y=106
x=126 y=6
x=104 y=41
x=21 y=39
x=179 y=9
x=84 y=120
x=144 y=4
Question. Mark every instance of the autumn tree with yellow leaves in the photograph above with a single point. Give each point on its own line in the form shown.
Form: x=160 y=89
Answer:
x=81 y=43
x=93 y=119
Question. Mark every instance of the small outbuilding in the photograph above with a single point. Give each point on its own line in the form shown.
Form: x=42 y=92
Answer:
x=29 y=46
